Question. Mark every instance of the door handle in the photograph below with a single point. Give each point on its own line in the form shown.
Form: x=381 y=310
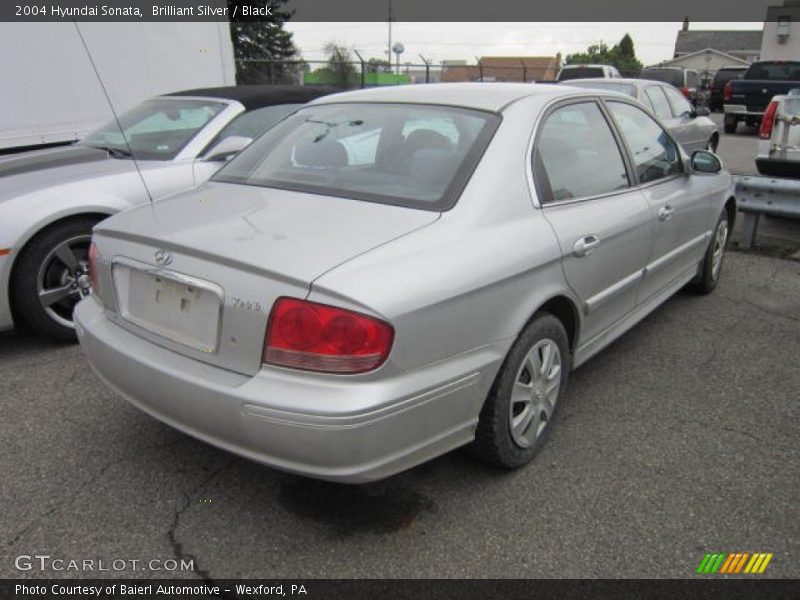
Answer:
x=585 y=245
x=665 y=213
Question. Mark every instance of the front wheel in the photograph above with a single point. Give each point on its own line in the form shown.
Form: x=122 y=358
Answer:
x=522 y=403
x=50 y=277
x=711 y=267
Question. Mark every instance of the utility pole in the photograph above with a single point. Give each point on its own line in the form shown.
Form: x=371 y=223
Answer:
x=389 y=46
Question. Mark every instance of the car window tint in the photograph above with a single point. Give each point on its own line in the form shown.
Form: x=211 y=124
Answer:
x=658 y=100
x=406 y=154
x=655 y=155
x=156 y=129
x=579 y=154
x=253 y=123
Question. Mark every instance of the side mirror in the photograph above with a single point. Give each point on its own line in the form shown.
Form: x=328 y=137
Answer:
x=701 y=111
x=705 y=162
x=227 y=147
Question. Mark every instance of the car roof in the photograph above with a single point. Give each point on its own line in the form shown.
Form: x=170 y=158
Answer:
x=258 y=96
x=667 y=67
x=616 y=80
x=490 y=96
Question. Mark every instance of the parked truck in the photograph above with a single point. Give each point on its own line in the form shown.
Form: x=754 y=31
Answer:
x=746 y=99
x=51 y=94
x=776 y=192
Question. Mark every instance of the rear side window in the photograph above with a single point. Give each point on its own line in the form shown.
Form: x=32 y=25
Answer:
x=655 y=155
x=578 y=155
x=658 y=101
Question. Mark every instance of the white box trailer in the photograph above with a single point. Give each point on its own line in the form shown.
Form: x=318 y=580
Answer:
x=50 y=93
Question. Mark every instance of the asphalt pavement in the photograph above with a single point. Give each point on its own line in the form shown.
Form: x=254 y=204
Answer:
x=678 y=440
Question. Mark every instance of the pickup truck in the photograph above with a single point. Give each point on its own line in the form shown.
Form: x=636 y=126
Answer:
x=747 y=98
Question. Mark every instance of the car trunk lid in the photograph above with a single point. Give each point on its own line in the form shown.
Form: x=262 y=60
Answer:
x=199 y=272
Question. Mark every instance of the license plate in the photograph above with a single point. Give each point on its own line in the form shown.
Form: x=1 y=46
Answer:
x=170 y=305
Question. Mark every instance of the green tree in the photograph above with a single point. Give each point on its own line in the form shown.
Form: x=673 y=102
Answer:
x=622 y=56
x=263 y=50
x=378 y=65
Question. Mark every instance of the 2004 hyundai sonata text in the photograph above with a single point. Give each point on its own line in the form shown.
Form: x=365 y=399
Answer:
x=392 y=273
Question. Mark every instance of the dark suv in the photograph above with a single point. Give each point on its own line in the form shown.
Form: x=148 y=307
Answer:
x=723 y=76
x=686 y=80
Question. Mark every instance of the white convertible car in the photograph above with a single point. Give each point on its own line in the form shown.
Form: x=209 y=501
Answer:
x=51 y=199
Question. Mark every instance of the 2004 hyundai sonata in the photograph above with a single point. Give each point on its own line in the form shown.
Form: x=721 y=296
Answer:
x=392 y=273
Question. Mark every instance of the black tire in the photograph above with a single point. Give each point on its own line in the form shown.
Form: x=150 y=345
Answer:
x=730 y=123
x=713 y=143
x=708 y=276
x=54 y=323
x=494 y=441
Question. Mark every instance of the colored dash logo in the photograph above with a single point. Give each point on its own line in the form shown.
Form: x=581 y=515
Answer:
x=735 y=562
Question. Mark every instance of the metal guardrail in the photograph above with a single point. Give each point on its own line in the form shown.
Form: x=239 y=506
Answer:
x=758 y=195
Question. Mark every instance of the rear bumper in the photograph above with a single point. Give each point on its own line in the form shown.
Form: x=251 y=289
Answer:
x=740 y=110
x=400 y=422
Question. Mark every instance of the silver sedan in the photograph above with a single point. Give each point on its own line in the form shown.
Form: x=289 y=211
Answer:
x=690 y=126
x=392 y=273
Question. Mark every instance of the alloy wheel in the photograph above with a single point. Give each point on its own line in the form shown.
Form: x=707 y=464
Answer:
x=63 y=279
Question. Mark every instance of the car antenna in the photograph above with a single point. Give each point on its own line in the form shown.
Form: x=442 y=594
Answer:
x=113 y=112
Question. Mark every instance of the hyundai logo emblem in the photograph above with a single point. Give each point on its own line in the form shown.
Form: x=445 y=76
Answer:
x=163 y=257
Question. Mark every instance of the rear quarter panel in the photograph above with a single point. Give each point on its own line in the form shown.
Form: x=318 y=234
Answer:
x=473 y=278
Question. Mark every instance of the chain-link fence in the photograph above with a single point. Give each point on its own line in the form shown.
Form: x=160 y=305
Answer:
x=364 y=74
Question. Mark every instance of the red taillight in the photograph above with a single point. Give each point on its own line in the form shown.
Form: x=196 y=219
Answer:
x=93 y=254
x=727 y=94
x=317 y=337
x=685 y=91
x=768 y=121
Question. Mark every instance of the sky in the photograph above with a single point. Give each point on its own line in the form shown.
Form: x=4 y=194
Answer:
x=653 y=42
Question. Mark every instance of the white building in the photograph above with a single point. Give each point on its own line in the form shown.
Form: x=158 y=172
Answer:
x=781 y=39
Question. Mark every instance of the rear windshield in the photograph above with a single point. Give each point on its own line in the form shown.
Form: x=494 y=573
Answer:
x=580 y=73
x=725 y=75
x=779 y=71
x=412 y=155
x=607 y=84
x=671 y=76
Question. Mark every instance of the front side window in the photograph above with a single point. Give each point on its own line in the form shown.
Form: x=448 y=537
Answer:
x=156 y=129
x=578 y=154
x=655 y=155
x=658 y=101
x=412 y=155
x=254 y=123
x=680 y=105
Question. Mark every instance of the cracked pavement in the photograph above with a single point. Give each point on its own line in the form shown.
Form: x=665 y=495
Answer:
x=679 y=439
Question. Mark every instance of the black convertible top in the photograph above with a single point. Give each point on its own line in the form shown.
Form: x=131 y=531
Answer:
x=257 y=96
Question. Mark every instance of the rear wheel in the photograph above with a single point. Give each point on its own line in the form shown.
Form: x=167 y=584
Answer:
x=730 y=123
x=522 y=403
x=50 y=277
